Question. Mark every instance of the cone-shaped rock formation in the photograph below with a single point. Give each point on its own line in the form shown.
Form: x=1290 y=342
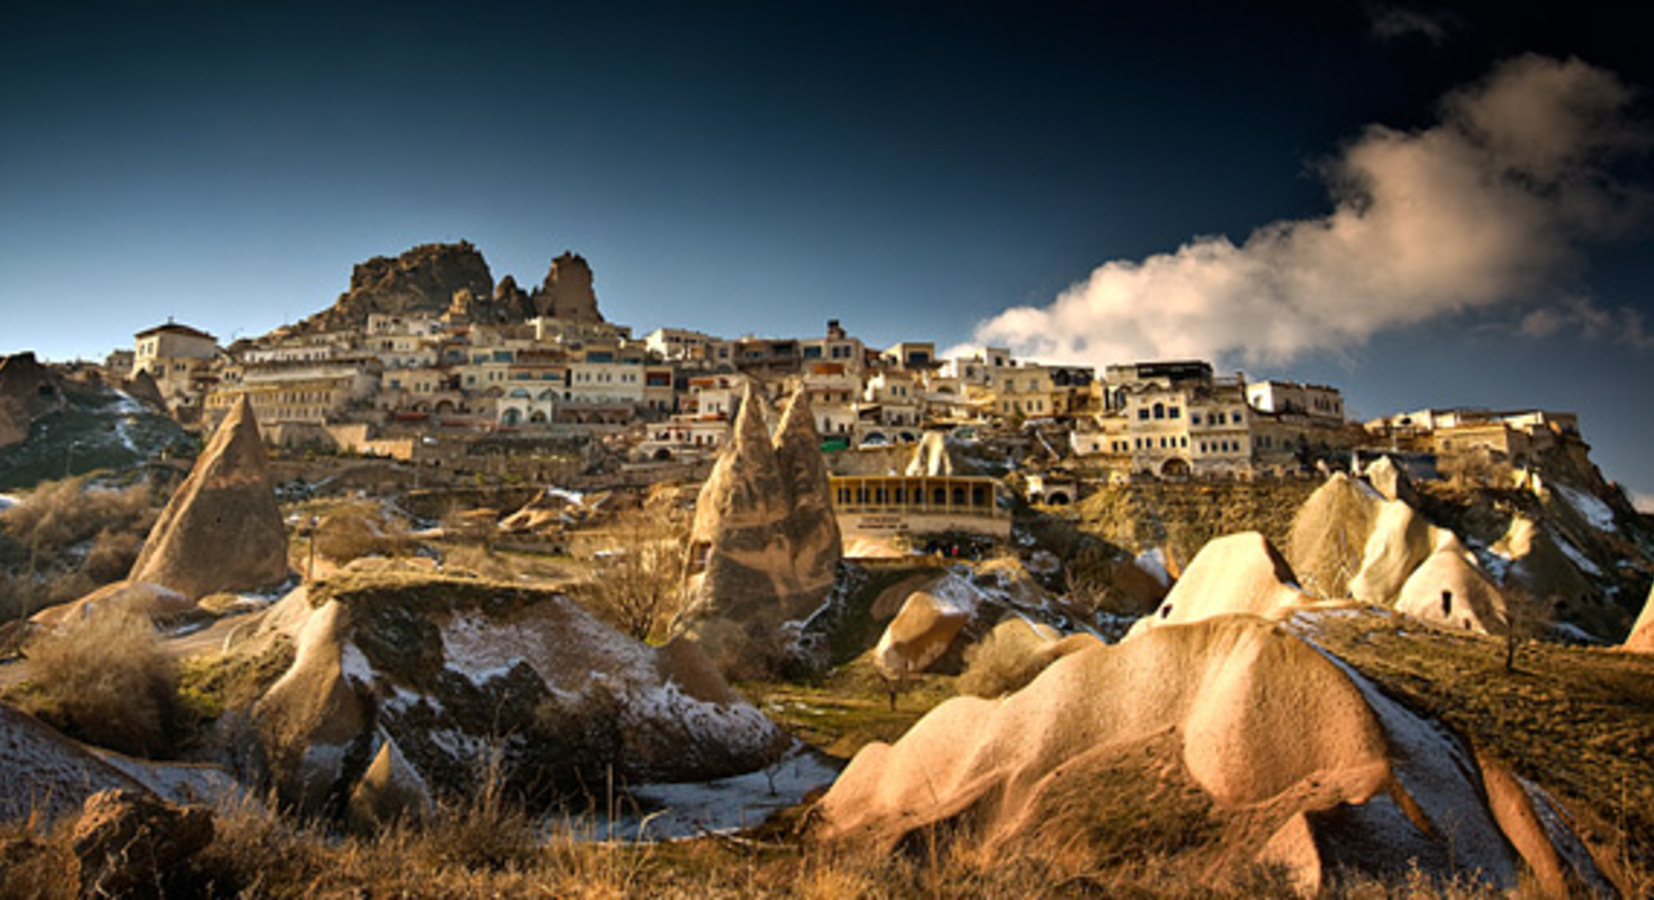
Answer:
x=222 y=531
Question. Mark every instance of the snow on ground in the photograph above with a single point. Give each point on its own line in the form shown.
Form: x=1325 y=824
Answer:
x=574 y=497
x=1154 y=563
x=728 y=804
x=739 y=726
x=178 y=782
x=957 y=593
x=7 y=501
x=1560 y=830
x=1596 y=512
x=1435 y=769
x=478 y=649
x=1579 y=559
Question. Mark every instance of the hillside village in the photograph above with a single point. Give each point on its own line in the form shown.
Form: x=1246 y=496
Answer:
x=426 y=360
x=450 y=562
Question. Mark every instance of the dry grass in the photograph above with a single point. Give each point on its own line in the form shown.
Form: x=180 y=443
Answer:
x=1578 y=721
x=105 y=681
x=68 y=538
x=1000 y=664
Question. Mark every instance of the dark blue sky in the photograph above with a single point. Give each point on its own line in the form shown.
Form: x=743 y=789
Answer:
x=911 y=168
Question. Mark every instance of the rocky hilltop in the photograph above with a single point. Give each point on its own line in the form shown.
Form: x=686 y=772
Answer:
x=437 y=278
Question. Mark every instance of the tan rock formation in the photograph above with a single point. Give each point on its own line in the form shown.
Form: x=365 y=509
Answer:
x=28 y=390
x=1448 y=589
x=1232 y=723
x=1400 y=542
x=922 y=631
x=1329 y=535
x=222 y=530
x=1237 y=573
x=567 y=291
x=1389 y=480
x=444 y=671
x=765 y=541
x=152 y=600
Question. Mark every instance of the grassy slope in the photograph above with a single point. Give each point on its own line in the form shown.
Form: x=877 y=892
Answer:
x=1578 y=721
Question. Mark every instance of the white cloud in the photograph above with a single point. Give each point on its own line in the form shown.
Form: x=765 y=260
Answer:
x=1391 y=22
x=1479 y=211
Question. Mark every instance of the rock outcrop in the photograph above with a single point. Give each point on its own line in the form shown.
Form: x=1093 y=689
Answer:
x=1329 y=534
x=1237 y=573
x=28 y=390
x=423 y=279
x=222 y=530
x=128 y=843
x=46 y=773
x=922 y=631
x=765 y=542
x=402 y=684
x=1231 y=738
x=157 y=603
x=566 y=293
x=1400 y=542
x=1448 y=589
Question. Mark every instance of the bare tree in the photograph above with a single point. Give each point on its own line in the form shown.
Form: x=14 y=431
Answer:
x=636 y=579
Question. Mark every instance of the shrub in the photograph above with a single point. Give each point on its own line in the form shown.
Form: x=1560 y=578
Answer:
x=1003 y=662
x=106 y=681
x=60 y=514
x=112 y=555
x=637 y=583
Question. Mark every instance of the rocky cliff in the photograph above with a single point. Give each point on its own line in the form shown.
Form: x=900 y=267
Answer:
x=28 y=390
x=438 y=278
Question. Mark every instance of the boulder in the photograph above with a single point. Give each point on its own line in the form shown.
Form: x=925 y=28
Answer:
x=389 y=791
x=1390 y=480
x=1237 y=573
x=222 y=530
x=1229 y=738
x=1448 y=589
x=922 y=631
x=446 y=672
x=765 y=545
x=129 y=843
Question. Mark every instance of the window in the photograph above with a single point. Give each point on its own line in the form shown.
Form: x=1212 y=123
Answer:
x=1143 y=414
x=1174 y=413
x=1160 y=411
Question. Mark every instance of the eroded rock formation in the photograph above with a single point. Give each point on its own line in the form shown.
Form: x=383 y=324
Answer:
x=28 y=390
x=1231 y=734
x=222 y=530
x=765 y=541
x=401 y=684
x=566 y=293
x=423 y=279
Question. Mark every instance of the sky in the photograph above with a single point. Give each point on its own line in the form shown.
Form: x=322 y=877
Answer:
x=1423 y=204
